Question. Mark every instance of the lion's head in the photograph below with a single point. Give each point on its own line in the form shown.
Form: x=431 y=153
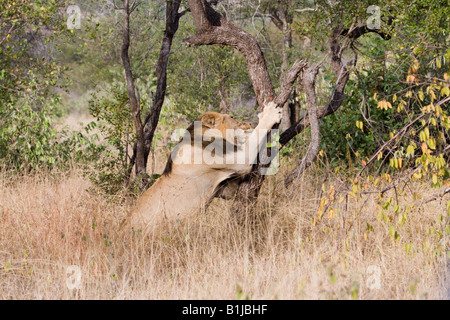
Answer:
x=222 y=122
x=219 y=125
x=215 y=127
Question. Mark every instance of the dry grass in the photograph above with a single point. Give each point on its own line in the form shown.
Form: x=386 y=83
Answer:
x=48 y=224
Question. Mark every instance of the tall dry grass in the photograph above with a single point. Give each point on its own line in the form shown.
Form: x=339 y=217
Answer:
x=288 y=251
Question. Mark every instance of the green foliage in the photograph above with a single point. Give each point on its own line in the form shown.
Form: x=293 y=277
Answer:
x=392 y=85
x=25 y=61
x=111 y=109
x=28 y=140
x=28 y=78
x=206 y=77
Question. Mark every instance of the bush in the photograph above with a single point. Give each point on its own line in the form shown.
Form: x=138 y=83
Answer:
x=28 y=141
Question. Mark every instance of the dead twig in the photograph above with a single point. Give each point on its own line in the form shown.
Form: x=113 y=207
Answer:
x=436 y=196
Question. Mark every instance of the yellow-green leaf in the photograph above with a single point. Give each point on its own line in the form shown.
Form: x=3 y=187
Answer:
x=431 y=143
x=410 y=150
x=421 y=95
x=435 y=178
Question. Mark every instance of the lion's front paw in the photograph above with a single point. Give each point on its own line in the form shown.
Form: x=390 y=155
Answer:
x=271 y=114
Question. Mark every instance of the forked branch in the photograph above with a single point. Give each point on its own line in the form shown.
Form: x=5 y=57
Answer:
x=212 y=28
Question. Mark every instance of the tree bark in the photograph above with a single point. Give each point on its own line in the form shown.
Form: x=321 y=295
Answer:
x=337 y=96
x=309 y=84
x=249 y=188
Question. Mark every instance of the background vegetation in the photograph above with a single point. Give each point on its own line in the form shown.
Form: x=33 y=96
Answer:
x=377 y=195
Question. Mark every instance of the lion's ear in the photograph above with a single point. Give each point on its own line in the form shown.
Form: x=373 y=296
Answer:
x=210 y=120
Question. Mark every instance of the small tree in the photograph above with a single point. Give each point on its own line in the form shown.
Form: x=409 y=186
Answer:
x=145 y=130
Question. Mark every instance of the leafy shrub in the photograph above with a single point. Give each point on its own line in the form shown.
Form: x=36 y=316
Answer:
x=28 y=140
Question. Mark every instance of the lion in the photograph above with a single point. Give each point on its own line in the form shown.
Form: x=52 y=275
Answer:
x=213 y=149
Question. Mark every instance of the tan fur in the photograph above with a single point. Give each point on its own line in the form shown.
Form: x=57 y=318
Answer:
x=185 y=189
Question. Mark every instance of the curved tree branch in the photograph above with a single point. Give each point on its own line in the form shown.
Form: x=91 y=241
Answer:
x=212 y=28
x=309 y=84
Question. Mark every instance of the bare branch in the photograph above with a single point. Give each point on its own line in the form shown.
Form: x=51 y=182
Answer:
x=436 y=196
x=305 y=9
x=152 y=119
x=362 y=29
x=309 y=83
x=274 y=17
x=7 y=34
x=182 y=13
x=337 y=95
x=288 y=80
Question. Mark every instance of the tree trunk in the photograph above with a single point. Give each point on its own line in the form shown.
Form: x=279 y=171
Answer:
x=212 y=28
x=152 y=119
x=140 y=161
x=145 y=130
